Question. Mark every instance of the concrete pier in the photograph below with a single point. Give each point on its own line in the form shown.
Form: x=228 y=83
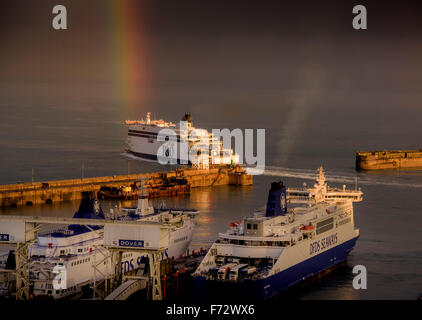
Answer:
x=48 y=192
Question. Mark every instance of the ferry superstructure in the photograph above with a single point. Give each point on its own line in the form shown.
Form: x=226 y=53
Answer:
x=294 y=238
x=78 y=248
x=142 y=142
x=321 y=191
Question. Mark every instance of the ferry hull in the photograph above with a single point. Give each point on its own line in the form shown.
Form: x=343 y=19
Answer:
x=271 y=286
x=153 y=157
x=142 y=142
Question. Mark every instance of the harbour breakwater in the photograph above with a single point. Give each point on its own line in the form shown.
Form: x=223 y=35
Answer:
x=48 y=192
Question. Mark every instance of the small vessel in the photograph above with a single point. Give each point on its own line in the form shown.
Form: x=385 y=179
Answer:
x=167 y=187
x=142 y=142
x=300 y=234
x=117 y=193
x=156 y=188
x=388 y=159
x=79 y=248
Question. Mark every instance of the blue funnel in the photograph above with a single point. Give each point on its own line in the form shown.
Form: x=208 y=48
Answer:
x=277 y=204
x=88 y=209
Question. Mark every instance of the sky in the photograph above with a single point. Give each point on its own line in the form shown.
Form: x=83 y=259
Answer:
x=217 y=59
x=216 y=43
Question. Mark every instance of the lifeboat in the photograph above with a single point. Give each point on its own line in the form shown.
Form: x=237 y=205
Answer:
x=234 y=224
x=307 y=228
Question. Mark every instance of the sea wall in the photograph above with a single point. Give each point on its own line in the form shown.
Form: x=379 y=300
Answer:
x=48 y=192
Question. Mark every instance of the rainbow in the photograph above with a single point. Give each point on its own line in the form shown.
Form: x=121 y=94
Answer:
x=128 y=67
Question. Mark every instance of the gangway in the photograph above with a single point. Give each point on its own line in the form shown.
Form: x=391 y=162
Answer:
x=126 y=289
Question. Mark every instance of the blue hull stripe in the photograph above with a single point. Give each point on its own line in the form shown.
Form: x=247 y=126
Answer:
x=143 y=155
x=266 y=288
x=152 y=157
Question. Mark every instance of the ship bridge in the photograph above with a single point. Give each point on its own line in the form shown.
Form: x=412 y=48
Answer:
x=321 y=192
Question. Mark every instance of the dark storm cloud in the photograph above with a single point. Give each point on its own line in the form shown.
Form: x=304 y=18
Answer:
x=32 y=51
x=297 y=68
x=260 y=44
x=283 y=17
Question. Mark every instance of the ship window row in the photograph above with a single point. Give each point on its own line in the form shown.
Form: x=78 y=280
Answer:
x=47 y=286
x=324 y=228
x=82 y=250
x=343 y=197
x=65 y=251
x=347 y=220
x=254 y=243
x=154 y=137
x=252 y=226
x=325 y=222
x=80 y=261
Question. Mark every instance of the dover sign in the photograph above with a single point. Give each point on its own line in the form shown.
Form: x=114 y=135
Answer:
x=136 y=236
x=131 y=243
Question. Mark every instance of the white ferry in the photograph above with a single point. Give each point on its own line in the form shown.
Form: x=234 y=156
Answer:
x=300 y=234
x=142 y=142
x=79 y=248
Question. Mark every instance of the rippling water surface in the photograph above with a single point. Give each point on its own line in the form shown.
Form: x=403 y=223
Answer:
x=57 y=141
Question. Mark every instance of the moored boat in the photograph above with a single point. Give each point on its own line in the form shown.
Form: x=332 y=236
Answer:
x=292 y=240
x=79 y=249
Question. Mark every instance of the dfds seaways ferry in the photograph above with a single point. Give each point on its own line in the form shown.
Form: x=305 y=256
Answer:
x=300 y=234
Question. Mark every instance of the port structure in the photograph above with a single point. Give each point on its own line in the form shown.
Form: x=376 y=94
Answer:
x=20 y=232
x=49 y=192
x=21 y=272
x=113 y=284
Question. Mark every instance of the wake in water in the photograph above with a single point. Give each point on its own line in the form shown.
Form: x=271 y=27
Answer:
x=384 y=179
x=345 y=177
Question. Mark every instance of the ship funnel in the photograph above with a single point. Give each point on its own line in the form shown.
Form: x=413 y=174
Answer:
x=89 y=208
x=187 y=117
x=277 y=204
x=143 y=207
